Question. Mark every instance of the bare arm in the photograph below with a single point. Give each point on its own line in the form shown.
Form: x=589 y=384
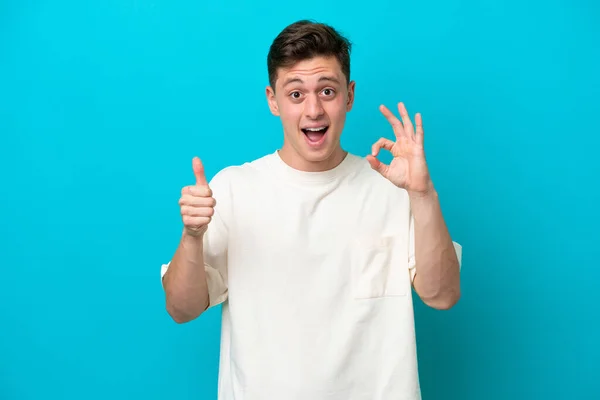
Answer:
x=184 y=282
x=437 y=280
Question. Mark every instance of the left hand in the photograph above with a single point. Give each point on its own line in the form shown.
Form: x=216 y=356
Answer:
x=408 y=169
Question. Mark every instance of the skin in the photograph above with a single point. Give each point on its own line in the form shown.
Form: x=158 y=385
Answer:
x=311 y=92
x=315 y=92
x=437 y=281
x=186 y=289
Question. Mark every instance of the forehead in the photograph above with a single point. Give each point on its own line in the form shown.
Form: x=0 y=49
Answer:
x=311 y=71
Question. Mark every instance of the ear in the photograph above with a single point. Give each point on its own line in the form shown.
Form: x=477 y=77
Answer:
x=350 y=102
x=272 y=101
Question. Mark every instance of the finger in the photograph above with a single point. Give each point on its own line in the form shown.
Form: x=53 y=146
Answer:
x=195 y=201
x=378 y=165
x=199 y=172
x=197 y=211
x=195 y=221
x=395 y=122
x=419 y=131
x=408 y=126
x=198 y=191
x=381 y=143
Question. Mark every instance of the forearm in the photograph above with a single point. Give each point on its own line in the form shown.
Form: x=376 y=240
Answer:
x=185 y=282
x=437 y=279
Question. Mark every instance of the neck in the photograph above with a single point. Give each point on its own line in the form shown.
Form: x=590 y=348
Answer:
x=298 y=162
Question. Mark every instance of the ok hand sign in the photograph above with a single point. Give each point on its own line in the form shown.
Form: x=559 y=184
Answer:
x=408 y=169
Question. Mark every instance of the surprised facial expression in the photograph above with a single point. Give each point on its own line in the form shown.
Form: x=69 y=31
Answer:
x=312 y=98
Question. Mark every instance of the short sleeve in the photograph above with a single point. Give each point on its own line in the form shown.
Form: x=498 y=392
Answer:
x=215 y=244
x=411 y=248
x=458 y=249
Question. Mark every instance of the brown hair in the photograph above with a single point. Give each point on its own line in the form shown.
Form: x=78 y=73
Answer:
x=306 y=39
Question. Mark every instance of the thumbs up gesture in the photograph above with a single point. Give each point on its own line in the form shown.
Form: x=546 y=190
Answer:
x=196 y=202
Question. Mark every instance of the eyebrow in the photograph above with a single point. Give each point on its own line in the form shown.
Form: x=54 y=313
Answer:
x=321 y=79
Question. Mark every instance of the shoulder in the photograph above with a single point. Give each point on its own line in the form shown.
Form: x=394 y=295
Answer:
x=234 y=184
x=235 y=175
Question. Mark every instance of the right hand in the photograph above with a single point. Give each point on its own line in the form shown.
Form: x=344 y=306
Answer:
x=196 y=202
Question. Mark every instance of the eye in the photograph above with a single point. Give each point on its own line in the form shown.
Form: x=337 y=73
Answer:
x=295 y=95
x=328 y=92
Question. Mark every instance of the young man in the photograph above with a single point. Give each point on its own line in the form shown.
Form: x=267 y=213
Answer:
x=313 y=252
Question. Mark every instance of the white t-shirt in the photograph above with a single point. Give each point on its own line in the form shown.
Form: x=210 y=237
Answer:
x=313 y=271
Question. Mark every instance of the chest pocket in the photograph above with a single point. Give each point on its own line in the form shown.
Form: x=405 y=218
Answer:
x=379 y=267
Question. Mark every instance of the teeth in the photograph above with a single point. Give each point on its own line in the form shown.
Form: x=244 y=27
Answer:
x=315 y=129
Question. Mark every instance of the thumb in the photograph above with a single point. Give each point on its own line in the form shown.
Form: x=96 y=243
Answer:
x=199 y=172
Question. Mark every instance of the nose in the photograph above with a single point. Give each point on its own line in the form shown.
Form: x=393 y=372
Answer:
x=313 y=107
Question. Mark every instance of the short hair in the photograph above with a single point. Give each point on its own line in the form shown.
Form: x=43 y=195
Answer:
x=307 y=39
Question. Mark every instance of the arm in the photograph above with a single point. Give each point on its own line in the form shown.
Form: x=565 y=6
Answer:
x=185 y=281
x=437 y=265
x=437 y=280
x=185 y=284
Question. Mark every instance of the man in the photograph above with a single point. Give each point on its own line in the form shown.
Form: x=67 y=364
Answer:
x=313 y=252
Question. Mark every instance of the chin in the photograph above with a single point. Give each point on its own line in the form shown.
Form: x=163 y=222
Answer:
x=321 y=154
x=315 y=144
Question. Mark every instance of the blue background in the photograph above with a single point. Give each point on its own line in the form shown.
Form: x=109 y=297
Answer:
x=103 y=105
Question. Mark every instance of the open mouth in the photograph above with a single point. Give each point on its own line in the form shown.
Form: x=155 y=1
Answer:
x=315 y=135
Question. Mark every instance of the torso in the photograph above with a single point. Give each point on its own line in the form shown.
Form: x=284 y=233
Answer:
x=319 y=304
